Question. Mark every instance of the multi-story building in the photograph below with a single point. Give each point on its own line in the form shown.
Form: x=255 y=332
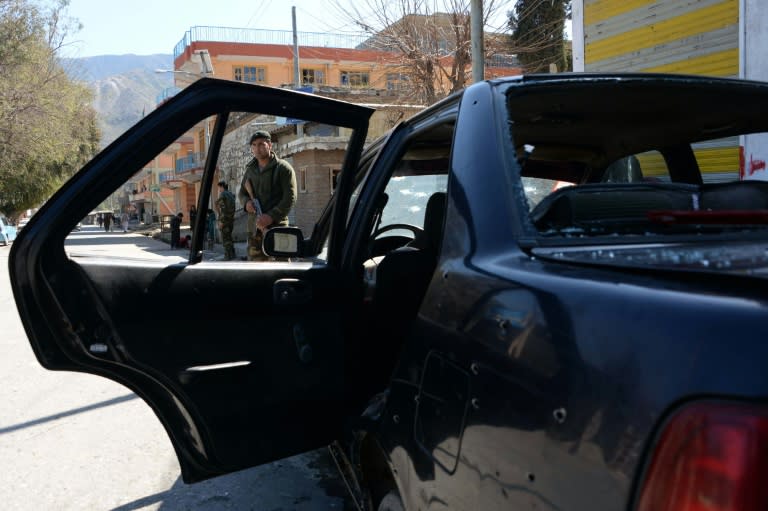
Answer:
x=338 y=66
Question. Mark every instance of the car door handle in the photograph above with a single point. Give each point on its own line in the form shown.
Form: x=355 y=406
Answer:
x=291 y=292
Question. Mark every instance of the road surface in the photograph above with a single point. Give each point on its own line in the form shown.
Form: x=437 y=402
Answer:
x=73 y=441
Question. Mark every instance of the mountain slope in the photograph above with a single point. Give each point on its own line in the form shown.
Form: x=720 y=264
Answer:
x=90 y=69
x=122 y=100
x=125 y=87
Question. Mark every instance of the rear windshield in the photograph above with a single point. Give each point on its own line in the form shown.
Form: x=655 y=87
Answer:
x=618 y=164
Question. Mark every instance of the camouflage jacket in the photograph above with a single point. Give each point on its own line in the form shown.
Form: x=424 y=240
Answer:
x=226 y=206
x=274 y=186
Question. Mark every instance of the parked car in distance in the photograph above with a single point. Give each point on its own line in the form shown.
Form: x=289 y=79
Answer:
x=543 y=292
x=7 y=231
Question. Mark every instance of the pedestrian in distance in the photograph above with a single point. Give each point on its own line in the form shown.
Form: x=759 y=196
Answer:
x=124 y=221
x=192 y=216
x=210 y=228
x=176 y=230
x=225 y=203
x=268 y=191
x=107 y=222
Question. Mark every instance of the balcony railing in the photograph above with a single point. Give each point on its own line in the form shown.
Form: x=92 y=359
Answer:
x=500 y=60
x=166 y=176
x=189 y=162
x=261 y=36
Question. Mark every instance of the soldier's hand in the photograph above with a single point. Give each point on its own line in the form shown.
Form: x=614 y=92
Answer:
x=249 y=207
x=263 y=221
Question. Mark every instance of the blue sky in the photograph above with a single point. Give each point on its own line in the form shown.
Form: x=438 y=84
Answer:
x=144 y=27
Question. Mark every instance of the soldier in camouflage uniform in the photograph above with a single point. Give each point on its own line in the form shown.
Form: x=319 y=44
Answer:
x=226 y=206
x=269 y=184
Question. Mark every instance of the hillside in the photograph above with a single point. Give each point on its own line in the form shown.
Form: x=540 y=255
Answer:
x=125 y=87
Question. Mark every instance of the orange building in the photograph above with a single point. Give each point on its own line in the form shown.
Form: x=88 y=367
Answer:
x=272 y=64
x=334 y=65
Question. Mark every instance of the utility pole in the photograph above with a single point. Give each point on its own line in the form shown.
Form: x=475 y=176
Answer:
x=296 y=75
x=296 y=72
x=476 y=34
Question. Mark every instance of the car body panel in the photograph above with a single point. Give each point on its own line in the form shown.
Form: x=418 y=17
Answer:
x=513 y=360
x=555 y=376
x=578 y=404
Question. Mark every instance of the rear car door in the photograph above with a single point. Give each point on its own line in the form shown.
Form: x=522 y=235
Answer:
x=242 y=362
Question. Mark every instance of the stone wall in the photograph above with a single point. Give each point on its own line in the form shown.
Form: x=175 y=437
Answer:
x=318 y=156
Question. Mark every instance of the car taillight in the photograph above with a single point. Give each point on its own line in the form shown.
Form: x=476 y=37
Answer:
x=711 y=456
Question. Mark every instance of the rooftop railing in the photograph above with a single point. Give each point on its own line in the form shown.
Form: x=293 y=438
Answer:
x=501 y=60
x=353 y=40
x=261 y=36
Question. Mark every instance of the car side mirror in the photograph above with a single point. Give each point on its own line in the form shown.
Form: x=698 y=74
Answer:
x=283 y=242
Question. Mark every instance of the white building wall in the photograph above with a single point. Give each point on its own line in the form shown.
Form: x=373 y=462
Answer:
x=754 y=66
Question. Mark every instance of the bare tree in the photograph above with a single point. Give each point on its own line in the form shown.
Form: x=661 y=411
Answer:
x=430 y=41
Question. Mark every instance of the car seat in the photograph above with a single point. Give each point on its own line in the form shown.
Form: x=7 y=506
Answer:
x=624 y=170
x=434 y=216
x=403 y=275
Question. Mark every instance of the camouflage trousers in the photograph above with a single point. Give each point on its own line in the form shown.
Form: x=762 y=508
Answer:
x=255 y=253
x=226 y=240
x=255 y=238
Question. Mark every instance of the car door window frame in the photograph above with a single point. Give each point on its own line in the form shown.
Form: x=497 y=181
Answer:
x=379 y=175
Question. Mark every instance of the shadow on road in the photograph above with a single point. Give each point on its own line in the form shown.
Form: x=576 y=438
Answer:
x=308 y=481
x=82 y=409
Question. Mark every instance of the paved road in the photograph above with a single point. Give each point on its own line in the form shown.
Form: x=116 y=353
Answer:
x=73 y=441
x=92 y=241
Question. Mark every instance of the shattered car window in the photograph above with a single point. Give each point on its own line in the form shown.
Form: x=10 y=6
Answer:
x=616 y=173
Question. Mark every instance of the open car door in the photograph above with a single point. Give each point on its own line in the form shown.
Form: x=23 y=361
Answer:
x=243 y=362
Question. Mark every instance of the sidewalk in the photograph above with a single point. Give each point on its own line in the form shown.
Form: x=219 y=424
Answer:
x=217 y=254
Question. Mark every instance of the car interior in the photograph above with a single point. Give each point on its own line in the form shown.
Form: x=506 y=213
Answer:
x=406 y=227
x=607 y=169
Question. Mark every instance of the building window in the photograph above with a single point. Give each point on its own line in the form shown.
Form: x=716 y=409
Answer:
x=312 y=77
x=201 y=141
x=333 y=175
x=443 y=46
x=303 y=179
x=250 y=74
x=397 y=81
x=355 y=79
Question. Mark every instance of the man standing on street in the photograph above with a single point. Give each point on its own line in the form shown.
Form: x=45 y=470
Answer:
x=225 y=204
x=176 y=230
x=268 y=191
